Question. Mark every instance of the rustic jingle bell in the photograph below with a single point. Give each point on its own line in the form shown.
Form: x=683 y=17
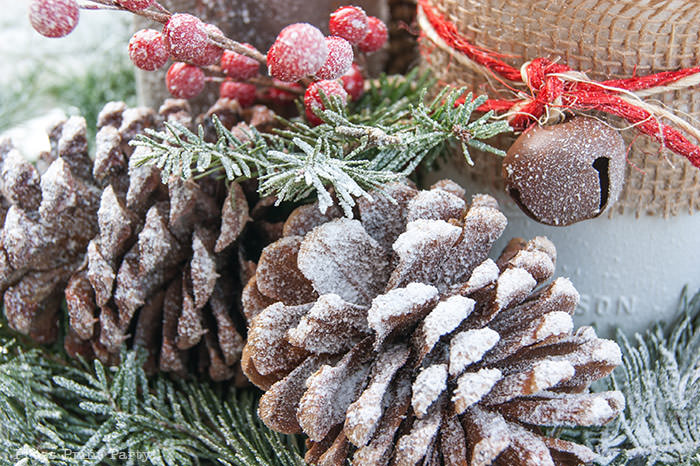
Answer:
x=564 y=173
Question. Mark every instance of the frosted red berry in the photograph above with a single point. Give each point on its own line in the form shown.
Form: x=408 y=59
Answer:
x=280 y=96
x=54 y=18
x=211 y=53
x=242 y=92
x=147 y=50
x=238 y=66
x=353 y=82
x=349 y=22
x=339 y=59
x=313 y=102
x=185 y=37
x=135 y=5
x=376 y=37
x=299 y=50
x=184 y=81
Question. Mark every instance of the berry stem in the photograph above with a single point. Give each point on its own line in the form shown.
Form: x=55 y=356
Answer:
x=229 y=44
x=269 y=82
x=109 y=3
x=152 y=15
x=91 y=5
x=215 y=75
x=214 y=79
x=261 y=81
x=161 y=8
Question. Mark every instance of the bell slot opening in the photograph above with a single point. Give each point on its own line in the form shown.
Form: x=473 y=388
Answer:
x=601 y=165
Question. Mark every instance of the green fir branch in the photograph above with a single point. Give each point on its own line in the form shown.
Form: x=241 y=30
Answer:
x=45 y=80
x=85 y=93
x=179 y=151
x=314 y=168
x=382 y=137
x=660 y=379
x=54 y=410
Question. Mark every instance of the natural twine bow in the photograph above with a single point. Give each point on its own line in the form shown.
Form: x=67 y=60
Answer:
x=553 y=88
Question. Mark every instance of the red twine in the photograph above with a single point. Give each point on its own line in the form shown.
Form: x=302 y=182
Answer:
x=554 y=85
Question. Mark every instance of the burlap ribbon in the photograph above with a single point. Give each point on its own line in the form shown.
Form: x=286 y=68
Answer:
x=607 y=39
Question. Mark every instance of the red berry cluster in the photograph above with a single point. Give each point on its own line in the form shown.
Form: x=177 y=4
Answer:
x=300 y=53
x=354 y=82
x=353 y=25
x=148 y=50
x=240 y=67
x=187 y=38
x=242 y=92
x=339 y=58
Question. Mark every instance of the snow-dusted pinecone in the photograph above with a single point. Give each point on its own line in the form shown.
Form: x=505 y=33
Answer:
x=393 y=338
x=50 y=219
x=140 y=261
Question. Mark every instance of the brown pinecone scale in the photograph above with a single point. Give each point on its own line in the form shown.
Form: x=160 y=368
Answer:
x=394 y=339
x=140 y=261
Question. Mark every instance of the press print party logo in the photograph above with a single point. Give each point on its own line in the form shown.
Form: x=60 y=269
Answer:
x=86 y=455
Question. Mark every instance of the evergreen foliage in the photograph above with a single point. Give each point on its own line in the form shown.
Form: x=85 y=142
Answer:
x=54 y=410
x=46 y=80
x=85 y=93
x=18 y=100
x=660 y=379
x=380 y=138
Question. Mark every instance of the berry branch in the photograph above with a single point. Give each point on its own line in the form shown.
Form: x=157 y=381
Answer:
x=300 y=55
x=241 y=49
x=163 y=16
x=134 y=6
x=282 y=86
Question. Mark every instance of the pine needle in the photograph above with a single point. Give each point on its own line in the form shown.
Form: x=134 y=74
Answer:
x=58 y=411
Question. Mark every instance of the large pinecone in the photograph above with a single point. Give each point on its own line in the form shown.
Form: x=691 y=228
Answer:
x=394 y=336
x=139 y=261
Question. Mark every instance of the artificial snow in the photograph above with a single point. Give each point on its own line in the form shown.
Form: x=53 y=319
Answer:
x=469 y=347
x=446 y=316
x=472 y=386
x=427 y=387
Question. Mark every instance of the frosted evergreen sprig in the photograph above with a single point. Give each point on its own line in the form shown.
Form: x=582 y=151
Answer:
x=452 y=119
x=55 y=411
x=405 y=132
x=316 y=167
x=382 y=137
x=177 y=150
x=660 y=379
